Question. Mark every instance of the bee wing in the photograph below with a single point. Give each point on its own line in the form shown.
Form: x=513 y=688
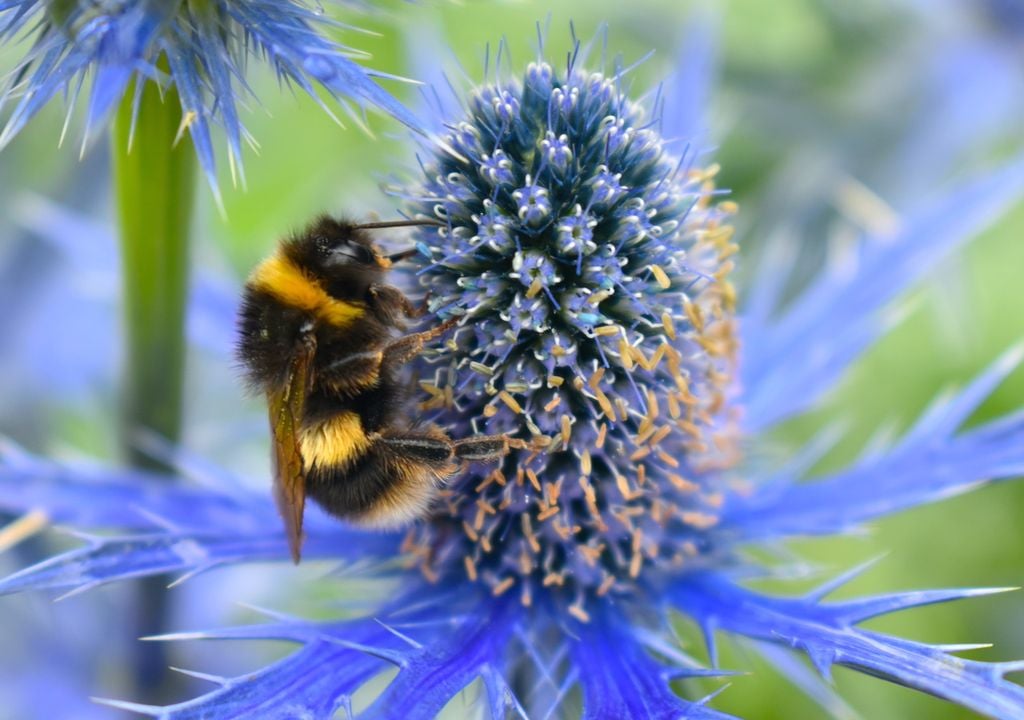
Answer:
x=286 y=407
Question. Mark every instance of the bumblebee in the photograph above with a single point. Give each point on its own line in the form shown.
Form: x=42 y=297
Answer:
x=321 y=336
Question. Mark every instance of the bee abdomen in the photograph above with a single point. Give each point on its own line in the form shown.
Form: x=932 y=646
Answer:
x=394 y=481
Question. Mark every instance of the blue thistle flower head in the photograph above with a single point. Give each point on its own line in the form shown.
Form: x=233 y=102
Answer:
x=589 y=267
x=206 y=47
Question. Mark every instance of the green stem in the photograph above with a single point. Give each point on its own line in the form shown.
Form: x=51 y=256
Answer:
x=154 y=188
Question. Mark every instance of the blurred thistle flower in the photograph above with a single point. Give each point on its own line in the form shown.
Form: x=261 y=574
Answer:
x=591 y=267
x=201 y=47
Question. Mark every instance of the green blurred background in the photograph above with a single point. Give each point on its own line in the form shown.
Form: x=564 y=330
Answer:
x=809 y=94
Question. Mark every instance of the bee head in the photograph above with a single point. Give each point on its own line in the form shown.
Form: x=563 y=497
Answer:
x=331 y=249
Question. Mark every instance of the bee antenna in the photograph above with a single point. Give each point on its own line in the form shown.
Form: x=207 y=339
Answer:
x=399 y=223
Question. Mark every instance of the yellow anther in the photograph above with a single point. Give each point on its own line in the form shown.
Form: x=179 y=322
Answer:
x=429 y=573
x=625 y=490
x=535 y=287
x=481 y=368
x=715 y=499
x=682 y=484
x=668 y=459
x=586 y=466
x=553 y=578
x=640 y=454
x=549 y=513
x=552 y=492
x=527 y=526
x=470 y=568
x=625 y=354
x=579 y=613
x=661 y=434
x=674 y=411
x=670 y=328
x=652 y=405
x=622 y=407
x=635 y=563
x=534 y=480
x=503 y=586
x=484 y=483
x=699 y=520
x=693 y=314
x=592 y=554
x=604 y=404
x=691 y=429
x=660 y=276
x=643 y=432
x=510 y=401
x=485 y=506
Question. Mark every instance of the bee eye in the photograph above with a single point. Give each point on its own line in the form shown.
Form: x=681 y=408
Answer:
x=364 y=254
x=322 y=244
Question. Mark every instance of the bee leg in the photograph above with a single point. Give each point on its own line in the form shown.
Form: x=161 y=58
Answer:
x=420 y=309
x=404 y=349
x=485 y=447
x=352 y=373
x=388 y=302
x=432 y=448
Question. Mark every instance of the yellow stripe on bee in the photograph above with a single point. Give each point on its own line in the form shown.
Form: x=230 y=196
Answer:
x=279 y=277
x=334 y=443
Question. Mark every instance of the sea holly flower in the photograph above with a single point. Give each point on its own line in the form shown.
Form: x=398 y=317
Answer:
x=589 y=266
x=202 y=48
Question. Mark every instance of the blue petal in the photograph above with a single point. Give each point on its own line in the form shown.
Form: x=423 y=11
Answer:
x=337 y=658
x=791 y=361
x=109 y=559
x=92 y=497
x=190 y=529
x=430 y=676
x=929 y=464
x=813 y=685
x=828 y=635
x=688 y=95
x=180 y=57
x=967 y=102
x=207 y=46
x=282 y=32
x=315 y=681
x=620 y=679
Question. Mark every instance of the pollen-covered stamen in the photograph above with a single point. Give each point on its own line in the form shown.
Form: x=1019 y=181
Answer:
x=591 y=272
